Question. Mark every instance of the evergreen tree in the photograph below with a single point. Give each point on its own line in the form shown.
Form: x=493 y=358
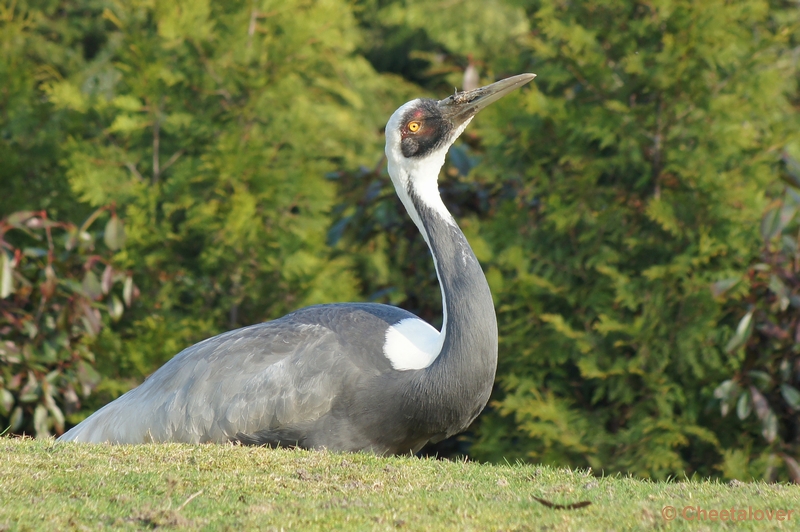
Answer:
x=643 y=166
x=634 y=179
x=210 y=127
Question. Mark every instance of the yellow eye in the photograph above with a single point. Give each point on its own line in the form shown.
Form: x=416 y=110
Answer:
x=413 y=126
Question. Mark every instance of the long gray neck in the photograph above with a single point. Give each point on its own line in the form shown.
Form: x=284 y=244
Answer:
x=465 y=367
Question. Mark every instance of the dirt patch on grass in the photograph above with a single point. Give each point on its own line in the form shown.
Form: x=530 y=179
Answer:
x=157 y=518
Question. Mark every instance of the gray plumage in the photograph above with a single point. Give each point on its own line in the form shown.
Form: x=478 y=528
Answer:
x=347 y=377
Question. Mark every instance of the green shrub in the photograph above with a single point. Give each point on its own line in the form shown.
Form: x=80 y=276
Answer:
x=58 y=290
x=643 y=168
x=615 y=203
x=762 y=396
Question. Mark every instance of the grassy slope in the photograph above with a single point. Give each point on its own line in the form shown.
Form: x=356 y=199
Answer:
x=48 y=486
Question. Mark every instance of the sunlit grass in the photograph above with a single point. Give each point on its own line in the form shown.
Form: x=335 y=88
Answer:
x=49 y=486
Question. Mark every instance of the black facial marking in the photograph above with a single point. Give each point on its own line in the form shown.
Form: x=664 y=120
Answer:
x=409 y=146
x=434 y=132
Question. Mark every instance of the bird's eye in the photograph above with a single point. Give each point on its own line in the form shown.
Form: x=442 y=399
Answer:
x=413 y=126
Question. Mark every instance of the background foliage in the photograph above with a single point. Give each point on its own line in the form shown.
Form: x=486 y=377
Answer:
x=635 y=210
x=57 y=294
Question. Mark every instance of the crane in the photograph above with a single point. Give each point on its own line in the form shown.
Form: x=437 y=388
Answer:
x=346 y=376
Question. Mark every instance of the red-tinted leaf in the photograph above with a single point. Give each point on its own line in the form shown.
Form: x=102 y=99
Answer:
x=87 y=376
x=744 y=405
x=791 y=395
x=760 y=403
x=6 y=276
x=72 y=240
x=127 y=291
x=793 y=467
x=773 y=331
x=48 y=287
x=91 y=286
x=40 y=424
x=6 y=402
x=40 y=223
x=17 y=417
x=30 y=392
x=71 y=401
x=115 y=308
x=107 y=280
x=15 y=382
x=114 y=235
x=769 y=427
x=742 y=334
x=55 y=413
x=785 y=370
x=10 y=354
x=780 y=290
x=18 y=218
x=725 y=392
x=91 y=319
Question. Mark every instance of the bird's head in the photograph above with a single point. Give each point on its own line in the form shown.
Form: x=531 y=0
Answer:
x=421 y=131
x=423 y=126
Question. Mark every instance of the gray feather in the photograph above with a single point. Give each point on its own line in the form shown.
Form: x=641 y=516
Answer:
x=266 y=384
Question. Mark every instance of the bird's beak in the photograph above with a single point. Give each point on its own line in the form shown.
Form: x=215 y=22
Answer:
x=462 y=106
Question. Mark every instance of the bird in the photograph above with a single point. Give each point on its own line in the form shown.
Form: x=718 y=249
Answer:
x=346 y=377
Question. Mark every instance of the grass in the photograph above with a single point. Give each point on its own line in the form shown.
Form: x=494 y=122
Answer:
x=49 y=486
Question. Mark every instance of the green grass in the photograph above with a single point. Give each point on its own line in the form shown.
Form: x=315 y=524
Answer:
x=49 y=486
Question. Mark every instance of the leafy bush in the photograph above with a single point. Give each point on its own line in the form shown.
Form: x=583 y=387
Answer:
x=603 y=201
x=764 y=390
x=211 y=127
x=644 y=165
x=632 y=177
x=58 y=289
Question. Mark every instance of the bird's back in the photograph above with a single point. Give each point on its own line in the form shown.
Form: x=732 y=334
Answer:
x=276 y=378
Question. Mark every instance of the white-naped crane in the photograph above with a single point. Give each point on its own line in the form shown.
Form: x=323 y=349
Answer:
x=348 y=376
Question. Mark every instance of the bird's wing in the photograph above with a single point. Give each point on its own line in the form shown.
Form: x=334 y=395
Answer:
x=272 y=374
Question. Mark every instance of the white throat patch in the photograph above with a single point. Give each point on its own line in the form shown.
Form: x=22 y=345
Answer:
x=419 y=173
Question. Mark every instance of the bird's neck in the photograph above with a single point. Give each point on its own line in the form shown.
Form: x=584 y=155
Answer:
x=468 y=355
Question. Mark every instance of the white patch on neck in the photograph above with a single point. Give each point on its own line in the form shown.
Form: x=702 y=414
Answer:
x=412 y=344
